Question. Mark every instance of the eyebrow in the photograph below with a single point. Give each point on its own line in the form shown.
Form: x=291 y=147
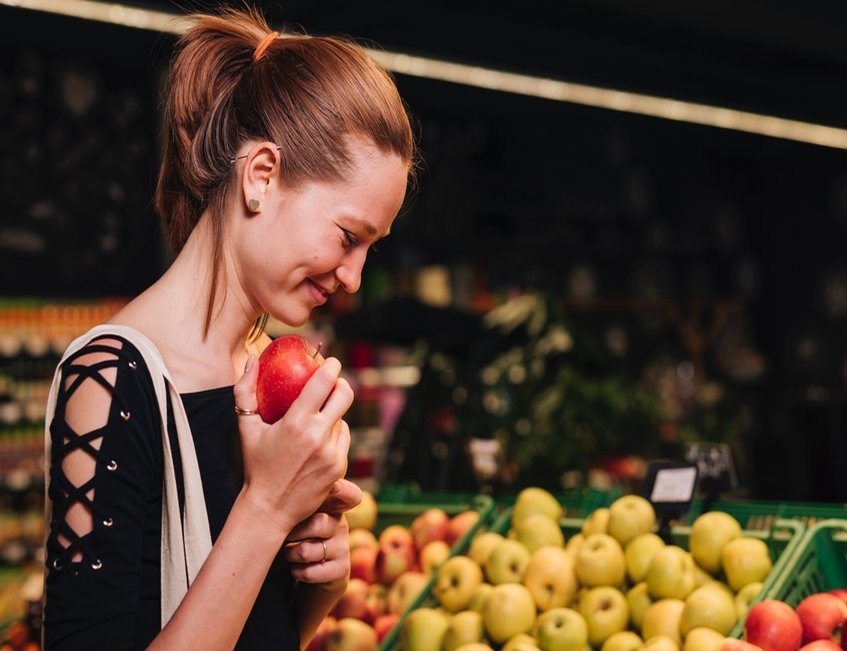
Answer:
x=368 y=227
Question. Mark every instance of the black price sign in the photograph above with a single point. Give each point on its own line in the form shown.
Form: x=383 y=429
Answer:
x=714 y=465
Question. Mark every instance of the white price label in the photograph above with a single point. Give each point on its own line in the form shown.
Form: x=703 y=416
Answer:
x=674 y=485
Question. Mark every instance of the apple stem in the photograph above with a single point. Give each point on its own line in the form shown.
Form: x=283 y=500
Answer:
x=317 y=350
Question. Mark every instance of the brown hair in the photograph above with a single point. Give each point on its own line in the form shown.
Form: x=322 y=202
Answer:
x=308 y=94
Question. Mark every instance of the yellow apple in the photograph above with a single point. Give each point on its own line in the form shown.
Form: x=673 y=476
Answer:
x=711 y=605
x=745 y=597
x=629 y=516
x=534 y=499
x=745 y=560
x=661 y=643
x=623 y=641
x=405 y=589
x=709 y=532
x=455 y=582
x=521 y=642
x=605 y=611
x=365 y=514
x=561 y=629
x=671 y=573
x=362 y=538
x=574 y=541
x=638 y=598
x=550 y=576
x=433 y=554
x=600 y=561
x=482 y=545
x=423 y=629
x=596 y=522
x=638 y=553
x=351 y=634
x=703 y=638
x=538 y=529
x=662 y=617
x=475 y=646
x=508 y=611
x=463 y=627
x=483 y=590
x=507 y=562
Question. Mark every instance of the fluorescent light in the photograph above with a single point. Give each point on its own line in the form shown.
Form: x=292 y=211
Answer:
x=496 y=80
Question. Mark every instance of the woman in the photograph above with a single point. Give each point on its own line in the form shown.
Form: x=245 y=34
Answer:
x=286 y=158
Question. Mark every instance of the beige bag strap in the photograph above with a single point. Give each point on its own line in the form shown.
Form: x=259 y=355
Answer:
x=186 y=541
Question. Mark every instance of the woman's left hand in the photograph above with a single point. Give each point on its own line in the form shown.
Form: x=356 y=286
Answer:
x=319 y=547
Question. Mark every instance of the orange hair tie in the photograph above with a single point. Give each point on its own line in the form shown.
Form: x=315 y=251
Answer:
x=261 y=47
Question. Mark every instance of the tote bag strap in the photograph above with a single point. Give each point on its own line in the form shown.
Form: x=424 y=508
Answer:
x=186 y=540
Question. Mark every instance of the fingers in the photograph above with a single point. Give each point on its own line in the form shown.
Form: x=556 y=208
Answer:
x=245 y=388
x=312 y=550
x=344 y=495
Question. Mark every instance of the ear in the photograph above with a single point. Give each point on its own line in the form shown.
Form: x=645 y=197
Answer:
x=260 y=170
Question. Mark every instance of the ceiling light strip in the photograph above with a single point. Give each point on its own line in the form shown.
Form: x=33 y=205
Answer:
x=496 y=80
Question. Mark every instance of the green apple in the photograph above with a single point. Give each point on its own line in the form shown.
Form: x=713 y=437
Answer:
x=711 y=605
x=709 y=532
x=605 y=611
x=561 y=629
x=703 y=638
x=745 y=560
x=661 y=643
x=508 y=611
x=475 y=646
x=351 y=634
x=672 y=573
x=538 y=529
x=455 y=582
x=482 y=545
x=596 y=522
x=463 y=627
x=507 y=562
x=629 y=516
x=744 y=597
x=521 y=642
x=480 y=594
x=423 y=629
x=600 y=561
x=662 y=617
x=550 y=576
x=638 y=553
x=623 y=641
x=638 y=598
x=535 y=499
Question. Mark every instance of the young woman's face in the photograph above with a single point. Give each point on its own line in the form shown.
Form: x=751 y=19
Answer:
x=308 y=242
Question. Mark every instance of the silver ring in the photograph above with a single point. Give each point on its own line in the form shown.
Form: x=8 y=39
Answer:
x=323 y=542
x=245 y=412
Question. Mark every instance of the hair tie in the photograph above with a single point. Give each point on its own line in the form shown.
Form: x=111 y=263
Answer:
x=261 y=47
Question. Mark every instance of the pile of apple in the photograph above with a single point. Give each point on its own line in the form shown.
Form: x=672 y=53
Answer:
x=815 y=624
x=613 y=585
x=388 y=571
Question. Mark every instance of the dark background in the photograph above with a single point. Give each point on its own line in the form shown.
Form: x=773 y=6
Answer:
x=667 y=221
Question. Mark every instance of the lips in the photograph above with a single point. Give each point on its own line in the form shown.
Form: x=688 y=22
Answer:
x=319 y=293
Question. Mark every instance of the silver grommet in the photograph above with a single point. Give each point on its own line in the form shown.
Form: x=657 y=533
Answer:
x=108 y=522
x=96 y=565
x=125 y=415
x=112 y=466
x=133 y=365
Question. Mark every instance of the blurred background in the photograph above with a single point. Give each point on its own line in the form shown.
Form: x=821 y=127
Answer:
x=627 y=241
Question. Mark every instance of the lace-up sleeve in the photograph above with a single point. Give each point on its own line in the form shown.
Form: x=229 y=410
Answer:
x=104 y=489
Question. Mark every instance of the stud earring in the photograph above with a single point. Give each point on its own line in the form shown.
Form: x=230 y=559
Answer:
x=253 y=205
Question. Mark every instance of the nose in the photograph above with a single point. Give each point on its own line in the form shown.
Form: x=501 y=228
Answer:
x=349 y=273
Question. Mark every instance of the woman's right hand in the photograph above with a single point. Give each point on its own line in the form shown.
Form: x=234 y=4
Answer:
x=290 y=466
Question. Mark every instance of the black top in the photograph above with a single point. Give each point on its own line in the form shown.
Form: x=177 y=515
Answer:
x=103 y=588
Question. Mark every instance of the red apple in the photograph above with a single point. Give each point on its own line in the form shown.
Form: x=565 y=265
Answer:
x=431 y=524
x=735 y=644
x=376 y=601
x=384 y=624
x=362 y=538
x=285 y=366
x=396 y=555
x=460 y=524
x=325 y=628
x=822 y=614
x=773 y=625
x=820 y=645
x=363 y=563
x=841 y=593
x=353 y=601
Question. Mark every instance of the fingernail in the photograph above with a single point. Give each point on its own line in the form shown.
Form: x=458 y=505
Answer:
x=249 y=364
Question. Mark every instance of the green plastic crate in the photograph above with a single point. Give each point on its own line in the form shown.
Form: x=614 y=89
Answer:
x=759 y=515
